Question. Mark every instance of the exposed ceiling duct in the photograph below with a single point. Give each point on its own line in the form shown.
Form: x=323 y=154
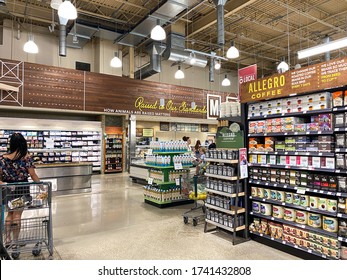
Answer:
x=220 y=21
x=175 y=51
x=155 y=50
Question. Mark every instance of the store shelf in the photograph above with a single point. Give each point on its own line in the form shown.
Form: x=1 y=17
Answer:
x=162 y=183
x=231 y=161
x=317 y=230
x=340 y=129
x=340 y=109
x=224 y=193
x=292 y=245
x=291 y=133
x=303 y=113
x=281 y=203
x=292 y=167
x=290 y=187
x=160 y=167
x=113 y=170
x=300 y=153
x=170 y=153
x=221 y=177
x=223 y=226
x=234 y=210
x=236 y=119
x=342 y=215
x=340 y=150
x=341 y=194
x=342 y=239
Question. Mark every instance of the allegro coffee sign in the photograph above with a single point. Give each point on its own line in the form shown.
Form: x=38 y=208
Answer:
x=326 y=75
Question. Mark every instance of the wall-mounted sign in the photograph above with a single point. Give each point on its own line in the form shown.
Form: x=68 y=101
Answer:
x=139 y=132
x=325 y=75
x=164 y=126
x=213 y=106
x=229 y=138
x=147 y=132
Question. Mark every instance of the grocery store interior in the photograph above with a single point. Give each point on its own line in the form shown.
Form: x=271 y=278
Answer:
x=174 y=130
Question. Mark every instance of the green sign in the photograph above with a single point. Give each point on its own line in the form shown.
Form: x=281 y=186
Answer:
x=225 y=138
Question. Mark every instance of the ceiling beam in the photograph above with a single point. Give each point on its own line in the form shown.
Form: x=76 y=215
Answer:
x=231 y=7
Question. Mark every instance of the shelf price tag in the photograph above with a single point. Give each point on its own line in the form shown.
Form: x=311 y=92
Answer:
x=338 y=194
x=339 y=215
x=178 y=181
x=178 y=166
x=150 y=181
x=301 y=191
x=149 y=152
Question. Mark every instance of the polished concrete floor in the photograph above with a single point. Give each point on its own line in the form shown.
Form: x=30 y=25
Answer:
x=112 y=222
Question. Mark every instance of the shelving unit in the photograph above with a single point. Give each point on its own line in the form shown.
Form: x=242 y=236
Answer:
x=113 y=153
x=52 y=146
x=163 y=190
x=225 y=196
x=319 y=183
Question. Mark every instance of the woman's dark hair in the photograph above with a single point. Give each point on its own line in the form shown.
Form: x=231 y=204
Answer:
x=197 y=144
x=19 y=145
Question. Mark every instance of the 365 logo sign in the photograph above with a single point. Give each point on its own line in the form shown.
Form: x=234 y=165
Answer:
x=213 y=106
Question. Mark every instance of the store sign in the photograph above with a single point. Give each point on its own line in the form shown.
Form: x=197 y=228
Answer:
x=227 y=138
x=247 y=74
x=213 y=106
x=325 y=75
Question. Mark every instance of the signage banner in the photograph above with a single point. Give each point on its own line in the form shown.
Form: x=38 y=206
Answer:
x=227 y=138
x=213 y=106
x=247 y=74
x=243 y=163
x=325 y=75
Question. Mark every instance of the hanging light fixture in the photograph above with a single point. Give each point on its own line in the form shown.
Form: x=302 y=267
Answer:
x=282 y=66
x=116 y=62
x=67 y=10
x=192 y=58
x=233 y=52
x=30 y=46
x=217 y=64
x=55 y=4
x=323 y=48
x=179 y=73
x=158 y=32
x=192 y=105
x=226 y=82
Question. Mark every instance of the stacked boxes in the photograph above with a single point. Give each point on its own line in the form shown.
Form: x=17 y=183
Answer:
x=310 y=102
x=339 y=98
x=321 y=122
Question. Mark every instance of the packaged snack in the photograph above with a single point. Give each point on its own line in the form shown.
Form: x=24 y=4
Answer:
x=338 y=98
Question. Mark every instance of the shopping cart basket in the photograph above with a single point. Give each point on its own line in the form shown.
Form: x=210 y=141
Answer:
x=26 y=218
x=196 y=193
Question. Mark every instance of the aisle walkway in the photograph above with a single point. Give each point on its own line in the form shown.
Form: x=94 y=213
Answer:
x=113 y=222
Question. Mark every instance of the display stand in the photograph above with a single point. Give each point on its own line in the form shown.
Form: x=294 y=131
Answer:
x=295 y=189
x=114 y=153
x=223 y=208
x=164 y=188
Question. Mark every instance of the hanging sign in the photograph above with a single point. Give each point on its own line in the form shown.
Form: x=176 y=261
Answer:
x=325 y=75
x=247 y=74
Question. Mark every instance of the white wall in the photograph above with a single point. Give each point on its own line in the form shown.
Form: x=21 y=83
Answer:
x=98 y=53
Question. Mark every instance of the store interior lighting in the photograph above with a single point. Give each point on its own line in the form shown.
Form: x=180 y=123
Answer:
x=55 y=4
x=158 y=32
x=67 y=10
x=192 y=58
x=179 y=73
x=226 y=82
x=233 y=52
x=217 y=64
x=115 y=61
x=323 y=48
x=162 y=102
x=193 y=105
x=30 y=46
x=282 y=66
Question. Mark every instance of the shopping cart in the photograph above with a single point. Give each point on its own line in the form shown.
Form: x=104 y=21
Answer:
x=30 y=231
x=196 y=193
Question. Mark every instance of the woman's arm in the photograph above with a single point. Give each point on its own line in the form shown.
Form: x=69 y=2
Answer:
x=33 y=174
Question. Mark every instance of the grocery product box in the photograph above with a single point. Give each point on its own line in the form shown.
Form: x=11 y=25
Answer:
x=260 y=148
x=262 y=159
x=326 y=147
x=300 y=127
x=338 y=98
x=280 y=146
x=312 y=127
x=290 y=147
x=312 y=147
x=340 y=161
x=252 y=144
x=292 y=160
x=340 y=120
x=292 y=120
x=316 y=162
x=300 y=146
x=345 y=97
x=289 y=139
x=288 y=128
x=252 y=127
x=277 y=121
x=325 y=122
x=326 y=138
x=272 y=159
x=277 y=128
x=340 y=140
x=268 y=128
x=302 y=139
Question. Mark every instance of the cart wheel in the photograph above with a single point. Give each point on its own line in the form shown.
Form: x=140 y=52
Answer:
x=37 y=250
x=195 y=222
x=185 y=220
x=15 y=255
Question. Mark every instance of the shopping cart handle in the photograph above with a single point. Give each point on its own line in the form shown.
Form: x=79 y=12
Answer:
x=4 y=184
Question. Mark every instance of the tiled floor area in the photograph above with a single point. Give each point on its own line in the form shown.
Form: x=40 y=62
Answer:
x=113 y=222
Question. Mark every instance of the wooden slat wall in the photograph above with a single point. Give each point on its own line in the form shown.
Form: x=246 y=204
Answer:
x=67 y=89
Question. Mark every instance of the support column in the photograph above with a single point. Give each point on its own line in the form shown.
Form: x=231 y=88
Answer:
x=131 y=62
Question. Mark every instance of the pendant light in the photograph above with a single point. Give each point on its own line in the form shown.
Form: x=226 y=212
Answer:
x=282 y=66
x=179 y=73
x=67 y=10
x=55 y=4
x=30 y=46
x=158 y=32
x=217 y=64
x=233 y=52
x=226 y=82
x=116 y=62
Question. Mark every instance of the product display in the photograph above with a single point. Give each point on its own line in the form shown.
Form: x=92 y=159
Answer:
x=114 y=153
x=225 y=201
x=297 y=172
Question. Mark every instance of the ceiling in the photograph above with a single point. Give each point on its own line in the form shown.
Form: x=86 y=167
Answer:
x=263 y=30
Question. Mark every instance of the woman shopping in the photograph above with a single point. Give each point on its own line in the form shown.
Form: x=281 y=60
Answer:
x=15 y=167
